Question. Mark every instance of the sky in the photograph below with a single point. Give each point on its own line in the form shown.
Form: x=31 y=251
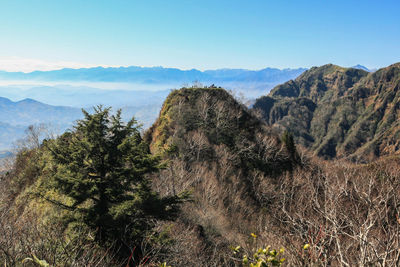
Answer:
x=44 y=35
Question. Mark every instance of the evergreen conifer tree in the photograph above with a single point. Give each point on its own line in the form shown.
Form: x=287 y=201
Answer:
x=101 y=166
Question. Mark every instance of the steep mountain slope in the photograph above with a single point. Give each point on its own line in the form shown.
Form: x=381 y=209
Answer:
x=339 y=112
x=225 y=156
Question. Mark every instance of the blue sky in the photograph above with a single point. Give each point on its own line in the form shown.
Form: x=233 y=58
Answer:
x=199 y=34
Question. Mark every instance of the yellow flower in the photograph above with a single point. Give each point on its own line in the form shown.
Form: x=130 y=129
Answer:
x=306 y=246
x=253 y=235
x=235 y=249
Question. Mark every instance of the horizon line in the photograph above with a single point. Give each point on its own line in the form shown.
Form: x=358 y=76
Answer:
x=27 y=65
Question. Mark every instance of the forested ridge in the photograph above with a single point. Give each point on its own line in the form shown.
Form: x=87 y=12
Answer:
x=339 y=112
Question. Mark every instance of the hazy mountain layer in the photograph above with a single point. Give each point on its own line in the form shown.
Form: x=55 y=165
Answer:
x=155 y=75
x=15 y=117
x=29 y=111
x=84 y=96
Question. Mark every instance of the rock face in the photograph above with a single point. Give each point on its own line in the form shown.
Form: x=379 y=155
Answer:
x=339 y=112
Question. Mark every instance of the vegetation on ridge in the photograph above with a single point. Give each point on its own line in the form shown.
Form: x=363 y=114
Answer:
x=244 y=178
x=218 y=150
x=339 y=112
x=96 y=178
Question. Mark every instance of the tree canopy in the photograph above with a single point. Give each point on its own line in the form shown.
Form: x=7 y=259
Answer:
x=101 y=166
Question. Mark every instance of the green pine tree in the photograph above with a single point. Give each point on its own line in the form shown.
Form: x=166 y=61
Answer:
x=102 y=167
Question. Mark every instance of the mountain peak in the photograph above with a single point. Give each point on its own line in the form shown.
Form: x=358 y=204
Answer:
x=315 y=82
x=29 y=101
x=214 y=145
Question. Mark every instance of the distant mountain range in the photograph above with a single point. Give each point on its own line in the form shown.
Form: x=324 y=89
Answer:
x=339 y=112
x=156 y=75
